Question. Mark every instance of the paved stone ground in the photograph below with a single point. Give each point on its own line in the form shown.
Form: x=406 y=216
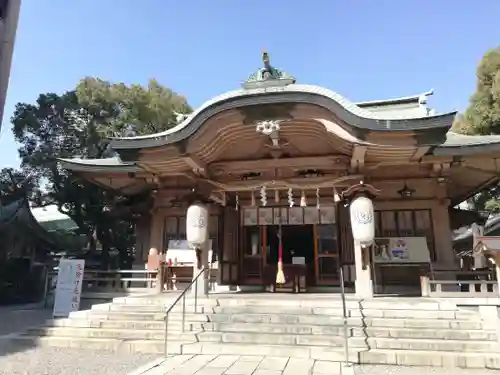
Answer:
x=256 y=365
x=19 y=359
x=406 y=370
x=243 y=365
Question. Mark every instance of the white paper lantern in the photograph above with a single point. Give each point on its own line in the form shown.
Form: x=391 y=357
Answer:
x=197 y=225
x=362 y=220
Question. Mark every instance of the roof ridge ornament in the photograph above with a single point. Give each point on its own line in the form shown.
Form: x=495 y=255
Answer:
x=268 y=76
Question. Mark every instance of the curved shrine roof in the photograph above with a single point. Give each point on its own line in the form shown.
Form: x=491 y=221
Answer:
x=346 y=110
x=269 y=85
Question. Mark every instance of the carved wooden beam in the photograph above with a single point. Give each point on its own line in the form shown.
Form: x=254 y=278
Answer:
x=358 y=157
x=335 y=162
x=219 y=198
x=440 y=169
x=419 y=153
x=196 y=165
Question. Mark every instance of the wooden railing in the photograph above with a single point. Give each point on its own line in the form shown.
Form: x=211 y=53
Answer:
x=459 y=284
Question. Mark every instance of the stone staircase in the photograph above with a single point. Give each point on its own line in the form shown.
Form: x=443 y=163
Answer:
x=399 y=331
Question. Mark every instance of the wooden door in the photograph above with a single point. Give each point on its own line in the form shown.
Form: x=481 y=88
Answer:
x=326 y=250
x=253 y=249
x=229 y=261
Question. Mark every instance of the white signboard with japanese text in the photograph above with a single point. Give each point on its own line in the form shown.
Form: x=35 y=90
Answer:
x=401 y=250
x=68 y=286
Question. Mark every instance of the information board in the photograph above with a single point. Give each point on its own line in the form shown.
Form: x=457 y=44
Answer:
x=68 y=286
x=401 y=250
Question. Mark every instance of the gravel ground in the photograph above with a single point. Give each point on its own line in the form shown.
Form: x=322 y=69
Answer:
x=19 y=359
x=405 y=370
x=60 y=361
x=17 y=319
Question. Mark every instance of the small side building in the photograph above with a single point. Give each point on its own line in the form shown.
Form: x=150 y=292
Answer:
x=25 y=247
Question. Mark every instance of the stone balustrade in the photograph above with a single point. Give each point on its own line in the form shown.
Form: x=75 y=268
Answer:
x=459 y=284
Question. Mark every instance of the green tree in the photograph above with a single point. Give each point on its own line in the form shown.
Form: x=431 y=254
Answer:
x=483 y=113
x=78 y=123
x=482 y=117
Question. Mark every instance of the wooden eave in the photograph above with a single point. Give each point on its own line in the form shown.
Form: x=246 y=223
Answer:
x=346 y=111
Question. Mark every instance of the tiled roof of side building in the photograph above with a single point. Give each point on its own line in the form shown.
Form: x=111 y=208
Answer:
x=460 y=144
x=394 y=101
x=99 y=165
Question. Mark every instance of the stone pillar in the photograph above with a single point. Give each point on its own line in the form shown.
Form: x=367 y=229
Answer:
x=201 y=286
x=479 y=258
x=363 y=283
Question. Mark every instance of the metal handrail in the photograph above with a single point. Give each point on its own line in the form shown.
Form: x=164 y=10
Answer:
x=344 y=316
x=183 y=297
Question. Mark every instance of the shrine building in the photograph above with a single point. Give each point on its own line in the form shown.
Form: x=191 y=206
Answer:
x=275 y=156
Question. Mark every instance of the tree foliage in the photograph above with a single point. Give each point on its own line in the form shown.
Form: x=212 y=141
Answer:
x=77 y=124
x=482 y=117
x=483 y=114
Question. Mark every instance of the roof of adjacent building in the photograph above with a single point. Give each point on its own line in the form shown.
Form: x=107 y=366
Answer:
x=50 y=218
x=491 y=227
x=19 y=214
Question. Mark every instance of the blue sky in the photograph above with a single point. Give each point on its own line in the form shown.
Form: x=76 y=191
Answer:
x=363 y=50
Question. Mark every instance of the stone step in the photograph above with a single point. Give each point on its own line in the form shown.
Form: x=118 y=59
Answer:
x=433 y=345
x=110 y=333
x=138 y=316
x=174 y=325
x=271 y=309
x=234 y=301
x=299 y=329
x=261 y=338
x=426 y=358
x=234 y=309
x=294 y=301
x=418 y=314
x=219 y=337
x=107 y=344
x=175 y=347
x=296 y=351
x=284 y=319
x=429 y=323
x=425 y=333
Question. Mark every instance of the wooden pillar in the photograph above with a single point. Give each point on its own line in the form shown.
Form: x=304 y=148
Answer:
x=142 y=234
x=156 y=232
x=346 y=242
x=445 y=254
x=228 y=263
